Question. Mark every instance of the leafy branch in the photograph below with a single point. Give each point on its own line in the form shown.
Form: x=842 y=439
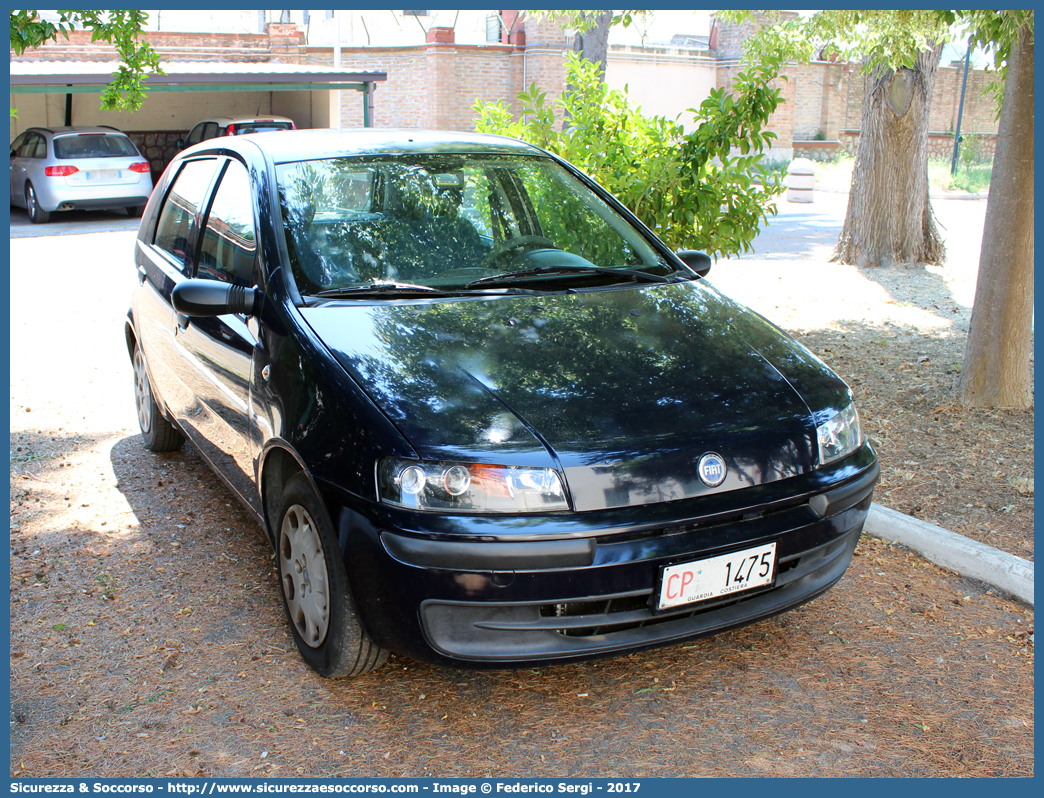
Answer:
x=121 y=28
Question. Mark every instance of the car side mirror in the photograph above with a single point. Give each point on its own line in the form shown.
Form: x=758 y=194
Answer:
x=213 y=298
x=179 y=143
x=696 y=260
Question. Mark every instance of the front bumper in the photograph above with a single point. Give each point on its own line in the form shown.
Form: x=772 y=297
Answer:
x=525 y=596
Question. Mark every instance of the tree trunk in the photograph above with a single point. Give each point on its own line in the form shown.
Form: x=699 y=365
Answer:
x=996 y=370
x=593 y=44
x=890 y=219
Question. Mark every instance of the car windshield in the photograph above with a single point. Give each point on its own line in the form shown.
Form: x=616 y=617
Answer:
x=261 y=126
x=449 y=221
x=93 y=145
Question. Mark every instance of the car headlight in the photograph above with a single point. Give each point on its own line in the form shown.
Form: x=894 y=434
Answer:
x=469 y=487
x=839 y=435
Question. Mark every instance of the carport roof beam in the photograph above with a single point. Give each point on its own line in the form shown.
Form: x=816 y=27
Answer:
x=182 y=74
x=86 y=77
x=93 y=88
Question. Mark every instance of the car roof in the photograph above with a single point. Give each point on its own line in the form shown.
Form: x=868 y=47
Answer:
x=306 y=145
x=227 y=120
x=59 y=131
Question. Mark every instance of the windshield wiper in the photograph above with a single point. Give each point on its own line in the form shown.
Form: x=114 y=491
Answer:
x=410 y=289
x=381 y=288
x=551 y=271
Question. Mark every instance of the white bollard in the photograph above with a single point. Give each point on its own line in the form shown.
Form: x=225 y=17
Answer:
x=800 y=180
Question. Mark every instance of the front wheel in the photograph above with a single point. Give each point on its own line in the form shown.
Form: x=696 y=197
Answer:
x=316 y=596
x=158 y=434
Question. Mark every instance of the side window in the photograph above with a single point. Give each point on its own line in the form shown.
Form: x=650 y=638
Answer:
x=40 y=150
x=31 y=145
x=196 y=136
x=210 y=130
x=18 y=143
x=229 y=240
x=183 y=200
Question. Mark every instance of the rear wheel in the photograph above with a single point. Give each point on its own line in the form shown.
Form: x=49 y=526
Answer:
x=316 y=597
x=158 y=434
x=37 y=215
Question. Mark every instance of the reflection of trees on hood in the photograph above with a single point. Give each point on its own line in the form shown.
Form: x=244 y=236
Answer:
x=576 y=361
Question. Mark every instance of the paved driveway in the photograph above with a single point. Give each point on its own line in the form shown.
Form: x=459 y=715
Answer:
x=71 y=223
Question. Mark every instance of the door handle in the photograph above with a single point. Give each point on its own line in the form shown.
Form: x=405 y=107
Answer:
x=142 y=275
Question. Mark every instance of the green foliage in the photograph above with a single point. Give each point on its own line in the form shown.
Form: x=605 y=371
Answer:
x=888 y=39
x=973 y=178
x=122 y=29
x=695 y=189
x=997 y=31
x=583 y=21
x=973 y=151
x=878 y=38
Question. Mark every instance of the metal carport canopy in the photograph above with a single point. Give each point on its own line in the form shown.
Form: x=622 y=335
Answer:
x=74 y=77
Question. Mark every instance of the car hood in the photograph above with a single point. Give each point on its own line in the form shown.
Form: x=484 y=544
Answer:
x=623 y=389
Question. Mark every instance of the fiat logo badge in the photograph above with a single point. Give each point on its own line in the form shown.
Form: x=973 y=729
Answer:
x=711 y=469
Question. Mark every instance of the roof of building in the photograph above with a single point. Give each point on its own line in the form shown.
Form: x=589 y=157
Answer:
x=178 y=73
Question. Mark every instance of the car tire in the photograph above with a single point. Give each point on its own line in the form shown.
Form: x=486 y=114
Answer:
x=135 y=211
x=316 y=596
x=37 y=215
x=158 y=434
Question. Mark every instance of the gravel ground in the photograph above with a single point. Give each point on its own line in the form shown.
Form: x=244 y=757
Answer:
x=897 y=335
x=147 y=637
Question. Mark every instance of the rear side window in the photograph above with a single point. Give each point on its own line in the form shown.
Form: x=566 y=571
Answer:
x=196 y=135
x=94 y=145
x=261 y=126
x=229 y=241
x=179 y=209
x=34 y=146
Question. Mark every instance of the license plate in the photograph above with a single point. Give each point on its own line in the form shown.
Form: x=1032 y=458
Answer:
x=714 y=577
x=104 y=174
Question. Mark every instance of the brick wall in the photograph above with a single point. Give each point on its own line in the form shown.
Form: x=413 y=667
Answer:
x=436 y=85
x=940 y=145
x=433 y=86
x=280 y=43
x=979 y=107
x=817 y=150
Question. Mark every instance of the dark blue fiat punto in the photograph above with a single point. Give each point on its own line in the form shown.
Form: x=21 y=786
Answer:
x=485 y=416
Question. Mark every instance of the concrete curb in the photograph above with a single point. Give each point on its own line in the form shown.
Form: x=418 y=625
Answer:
x=967 y=557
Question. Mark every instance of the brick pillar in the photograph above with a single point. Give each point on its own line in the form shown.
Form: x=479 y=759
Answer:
x=441 y=36
x=441 y=89
x=284 y=42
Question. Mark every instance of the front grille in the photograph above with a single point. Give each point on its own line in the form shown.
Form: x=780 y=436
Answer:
x=620 y=613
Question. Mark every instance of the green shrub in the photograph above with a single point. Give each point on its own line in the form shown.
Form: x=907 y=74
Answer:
x=689 y=187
